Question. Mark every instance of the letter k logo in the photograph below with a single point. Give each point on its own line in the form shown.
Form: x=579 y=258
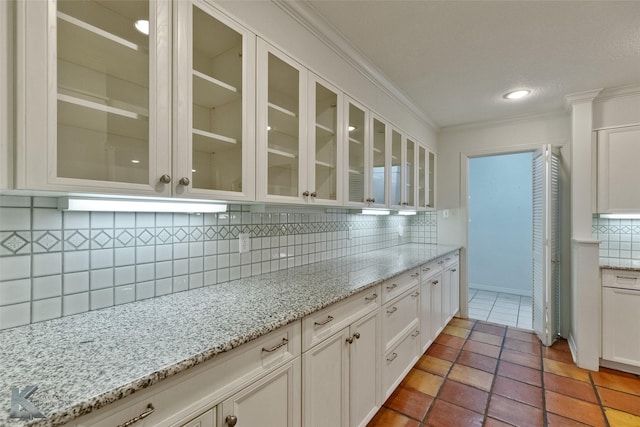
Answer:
x=20 y=406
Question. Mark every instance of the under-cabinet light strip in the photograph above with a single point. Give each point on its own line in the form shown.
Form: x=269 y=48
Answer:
x=117 y=205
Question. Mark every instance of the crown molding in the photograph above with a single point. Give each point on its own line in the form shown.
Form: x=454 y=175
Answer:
x=618 y=92
x=307 y=16
x=580 y=97
x=505 y=121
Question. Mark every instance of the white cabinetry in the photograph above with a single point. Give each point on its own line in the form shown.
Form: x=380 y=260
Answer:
x=618 y=173
x=403 y=171
x=299 y=134
x=430 y=303
x=95 y=98
x=358 y=191
x=450 y=288
x=259 y=380
x=620 y=320
x=6 y=95
x=425 y=184
x=340 y=383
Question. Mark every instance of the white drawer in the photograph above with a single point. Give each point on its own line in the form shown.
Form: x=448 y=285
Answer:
x=627 y=279
x=399 y=360
x=431 y=269
x=450 y=259
x=399 y=284
x=178 y=399
x=324 y=323
x=398 y=315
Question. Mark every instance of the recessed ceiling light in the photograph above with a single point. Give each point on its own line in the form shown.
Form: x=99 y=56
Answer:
x=135 y=161
x=142 y=25
x=517 y=94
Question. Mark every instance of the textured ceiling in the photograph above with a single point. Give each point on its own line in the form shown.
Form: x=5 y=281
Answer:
x=455 y=59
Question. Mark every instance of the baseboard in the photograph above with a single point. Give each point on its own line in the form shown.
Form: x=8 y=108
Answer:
x=620 y=366
x=573 y=348
x=501 y=289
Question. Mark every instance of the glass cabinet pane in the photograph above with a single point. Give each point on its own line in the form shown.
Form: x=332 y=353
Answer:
x=396 y=168
x=378 y=159
x=326 y=155
x=103 y=90
x=356 y=132
x=409 y=173
x=432 y=176
x=283 y=128
x=217 y=105
x=422 y=175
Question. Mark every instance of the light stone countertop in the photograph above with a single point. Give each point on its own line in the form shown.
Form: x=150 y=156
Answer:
x=83 y=362
x=620 y=264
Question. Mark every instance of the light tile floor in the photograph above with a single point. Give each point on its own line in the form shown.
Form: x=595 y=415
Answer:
x=502 y=308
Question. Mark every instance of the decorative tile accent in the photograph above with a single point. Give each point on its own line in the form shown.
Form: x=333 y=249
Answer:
x=48 y=241
x=76 y=239
x=13 y=243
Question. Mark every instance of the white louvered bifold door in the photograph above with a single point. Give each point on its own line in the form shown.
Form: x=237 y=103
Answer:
x=546 y=266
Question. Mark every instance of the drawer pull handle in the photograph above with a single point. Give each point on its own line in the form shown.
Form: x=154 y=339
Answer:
x=231 y=420
x=626 y=278
x=277 y=346
x=447 y=259
x=392 y=286
x=416 y=294
x=435 y=282
x=392 y=358
x=355 y=336
x=453 y=270
x=426 y=269
x=392 y=310
x=415 y=334
x=142 y=416
x=414 y=275
x=329 y=319
x=371 y=298
x=441 y=262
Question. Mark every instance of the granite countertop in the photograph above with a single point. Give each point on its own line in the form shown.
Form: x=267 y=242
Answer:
x=620 y=264
x=83 y=362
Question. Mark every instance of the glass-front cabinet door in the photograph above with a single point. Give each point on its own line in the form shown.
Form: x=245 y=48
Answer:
x=422 y=183
x=214 y=98
x=325 y=169
x=431 y=197
x=396 y=179
x=282 y=127
x=379 y=167
x=357 y=140
x=94 y=85
x=409 y=199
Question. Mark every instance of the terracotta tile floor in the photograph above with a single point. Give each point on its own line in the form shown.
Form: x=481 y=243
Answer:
x=483 y=374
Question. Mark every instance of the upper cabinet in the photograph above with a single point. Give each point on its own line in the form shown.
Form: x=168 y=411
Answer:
x=425 y=179
x=618 y=173
x=379 y=165
x=214 y=95
x=299 y=117
x=356 y=150
x=96 y=99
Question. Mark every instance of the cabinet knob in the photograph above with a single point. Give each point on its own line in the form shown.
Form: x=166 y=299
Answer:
x=314 y=194
x=435 y=282
x=305 y=194
x=454 y=270
x=355 y=336
x=373 y=200
x=184 y=181
x=231 y=420
x=165 y=179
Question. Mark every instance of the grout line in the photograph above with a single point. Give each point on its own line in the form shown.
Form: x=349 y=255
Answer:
x=545 y=415
x=595 y=390
x=495 y=375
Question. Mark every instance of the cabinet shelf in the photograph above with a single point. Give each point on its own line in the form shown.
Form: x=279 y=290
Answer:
x=101 y=107
x=325 y=164
x=355 y=141
x=209 y=142
x=325 y=129
x=282 y=110
x=355 y=172
x=282 y=153
x=78 y=43
x=211 y=93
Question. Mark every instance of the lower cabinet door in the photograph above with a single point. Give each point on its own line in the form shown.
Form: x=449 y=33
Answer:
x=365 y=374
x=426 y=335
x=208 y=419
x=454 y=282
x=325 y=382
x=273 y=401
x=436 y=305
x=621 y=326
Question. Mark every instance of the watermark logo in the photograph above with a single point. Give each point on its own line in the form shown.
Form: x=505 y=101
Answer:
x=20 y=405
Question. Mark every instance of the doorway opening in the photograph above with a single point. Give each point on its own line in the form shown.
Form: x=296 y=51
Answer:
x=500 y=239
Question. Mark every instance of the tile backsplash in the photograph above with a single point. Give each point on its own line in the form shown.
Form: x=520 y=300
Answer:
x=619 y=241
x=55 y=263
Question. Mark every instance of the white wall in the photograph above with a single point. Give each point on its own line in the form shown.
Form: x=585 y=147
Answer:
x=500 y=225
x=457 y=144
x=280 y=29
x=6 y=95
